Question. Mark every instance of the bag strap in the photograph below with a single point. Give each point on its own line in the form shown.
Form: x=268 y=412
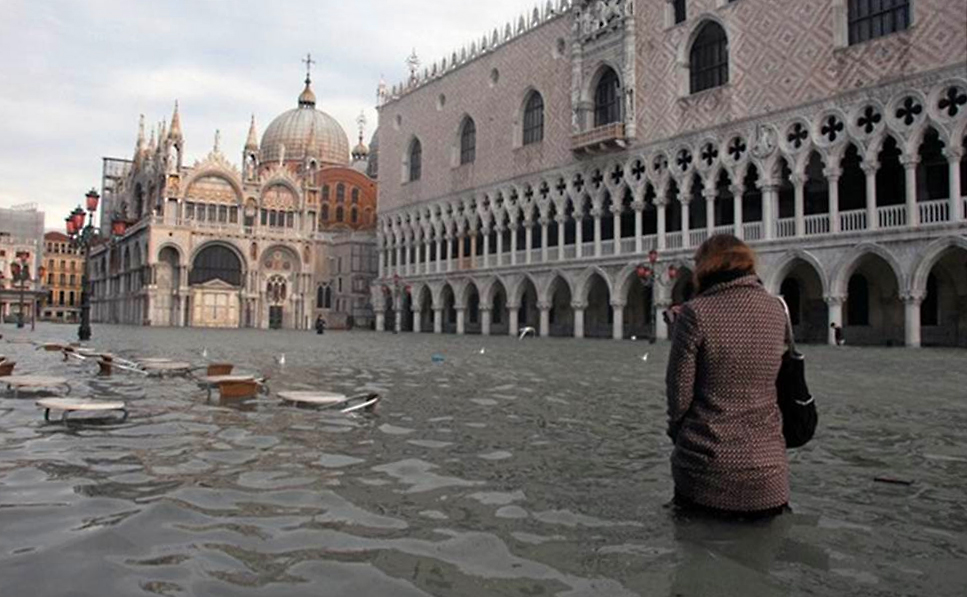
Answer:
x=790 y=336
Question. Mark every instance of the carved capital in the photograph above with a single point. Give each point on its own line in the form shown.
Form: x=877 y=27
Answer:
x=834 y=300
x=579 y=305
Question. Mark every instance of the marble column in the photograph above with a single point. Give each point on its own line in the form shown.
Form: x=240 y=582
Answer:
x=561 y=221
x=799 y=188
x=485 y=320
x=380 y=321
x=578 y=236
x=910 y=177
x=835 y=306
x=911 y=320
x=737 y=215
x=500 y=245
x=954 y=156
x=686 y=242
x=513 y=242
x=461 y=320
x=871 y=218
x=528 y=241
x=439 y=255
x=545 y=325
x=661 y=328
x=513 y=319
x=770 y=193
x=710 y=194
x=437 y=320
x=618 y=317
x=578 y=309
x=486 y=247
x=596 y=214
x=416 y=321
x=449 y=258
x=662 y=224
x=832 y=180
x=544 y=222
x=638 y=205
x=616 y=236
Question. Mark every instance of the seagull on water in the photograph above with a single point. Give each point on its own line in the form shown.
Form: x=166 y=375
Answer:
x=281 y=359
x=525 y=331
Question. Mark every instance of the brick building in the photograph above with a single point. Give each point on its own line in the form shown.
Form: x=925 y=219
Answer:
x=65 y=271
x=526 y=177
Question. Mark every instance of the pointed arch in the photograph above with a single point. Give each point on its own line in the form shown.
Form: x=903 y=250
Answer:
x=788 y=262
x=929 y=258
x=848 y=263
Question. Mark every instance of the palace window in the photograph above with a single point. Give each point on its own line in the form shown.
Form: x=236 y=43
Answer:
x=607 y=100
x=869 y=19
x=325 y=212
x=339 y=213
x=416 y=160
x=325 y=193
x=679 y=8
x=340 y=193
x=468 y=141
x=709 y=58
x=534 y=119
x=353 y=215
x=355 y=195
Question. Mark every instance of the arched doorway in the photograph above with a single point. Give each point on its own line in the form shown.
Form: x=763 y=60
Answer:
x=449 y=310
x=167 y=305
x=216 y=281
x=528 y=316
x=637 y=311
x=943 y=312
x=280 y=267
x=873 y=314
x=406 y=311
x=276 y=293
x=599 y=315
x=561 y=316
x=389 y=310
x=472 y=315
x=499 y=319
x=426 y=309
x=802 y=289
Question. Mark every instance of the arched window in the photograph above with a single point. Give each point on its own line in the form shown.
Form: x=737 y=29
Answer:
x=858 y=301
x=320 y=297
x=468 y=141
x=353 y=215
x=325 y=212
x=679 y=8
x=534 y=119
x=340 y=193
x=325 y=192
x=339 y=213
x=328 y=301
x=708 y=60
x=355 y=195
x=416 y=160
x=869 y=19
x=216 y=262
x=607 y=100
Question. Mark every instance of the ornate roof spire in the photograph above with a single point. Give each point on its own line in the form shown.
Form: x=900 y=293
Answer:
x=175 y=133
x=413 y=62
x=307 y=99
x=218 y=138
x=361 y=152
x=253 y=138
x=139 y=144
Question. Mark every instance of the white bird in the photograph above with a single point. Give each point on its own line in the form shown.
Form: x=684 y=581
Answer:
x=281 y=359
x=204 y=352
x=525 y=331
x=645 y=358
x=633 y=338
x=483 y=351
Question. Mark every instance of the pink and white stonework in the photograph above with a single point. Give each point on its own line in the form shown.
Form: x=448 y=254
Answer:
x=829 y=135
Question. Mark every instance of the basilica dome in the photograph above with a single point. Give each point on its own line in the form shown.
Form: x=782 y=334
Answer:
x=305 y=129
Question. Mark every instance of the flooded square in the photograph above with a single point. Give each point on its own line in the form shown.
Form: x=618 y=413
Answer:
x=535 y=467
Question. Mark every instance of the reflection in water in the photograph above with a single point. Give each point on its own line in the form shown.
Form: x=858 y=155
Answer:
x=500 y=468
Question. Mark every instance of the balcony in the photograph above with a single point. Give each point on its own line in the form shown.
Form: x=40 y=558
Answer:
x=600 y=139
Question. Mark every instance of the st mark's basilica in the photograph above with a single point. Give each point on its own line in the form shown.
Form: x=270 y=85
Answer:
x=287 y=238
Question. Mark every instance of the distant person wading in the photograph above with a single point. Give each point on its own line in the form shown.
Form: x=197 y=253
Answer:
x=730 y=455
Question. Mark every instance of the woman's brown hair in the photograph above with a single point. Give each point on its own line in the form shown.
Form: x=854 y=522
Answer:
x=722 y=257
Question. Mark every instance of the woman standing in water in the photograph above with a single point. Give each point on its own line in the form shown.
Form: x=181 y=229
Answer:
x=730 y=454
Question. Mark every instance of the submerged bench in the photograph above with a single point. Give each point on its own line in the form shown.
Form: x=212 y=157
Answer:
x=322 y=399
x=18 y=382
x=69 y=405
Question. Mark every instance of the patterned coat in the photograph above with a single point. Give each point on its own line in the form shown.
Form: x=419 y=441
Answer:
x=722 y=411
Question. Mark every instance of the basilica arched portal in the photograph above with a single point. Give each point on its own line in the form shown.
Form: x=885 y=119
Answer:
x=215 y=280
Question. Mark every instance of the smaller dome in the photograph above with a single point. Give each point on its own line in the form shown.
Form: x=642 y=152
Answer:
x=360 y=152
x=307 y=98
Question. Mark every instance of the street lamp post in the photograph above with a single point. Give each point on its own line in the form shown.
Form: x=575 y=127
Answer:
x=651 y=274
x=21 y=275
x=82 y=237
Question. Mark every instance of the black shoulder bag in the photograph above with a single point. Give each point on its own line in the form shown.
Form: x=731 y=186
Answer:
x=798 y=408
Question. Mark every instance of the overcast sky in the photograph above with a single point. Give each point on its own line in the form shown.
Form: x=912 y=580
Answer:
x=75 y=74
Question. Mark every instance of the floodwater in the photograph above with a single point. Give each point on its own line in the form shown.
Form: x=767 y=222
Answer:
x=524 y=468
